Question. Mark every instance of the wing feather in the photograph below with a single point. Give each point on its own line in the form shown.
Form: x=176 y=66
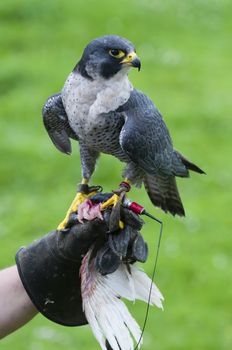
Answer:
x=145 y=137
x=56 y=123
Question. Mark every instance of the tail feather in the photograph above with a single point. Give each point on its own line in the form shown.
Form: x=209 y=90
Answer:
x=163 y=192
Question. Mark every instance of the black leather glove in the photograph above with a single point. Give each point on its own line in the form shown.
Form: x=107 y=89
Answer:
x=49 y=270
x=49 y=267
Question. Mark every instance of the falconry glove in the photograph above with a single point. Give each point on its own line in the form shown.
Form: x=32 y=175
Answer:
x=49 y=270
x=50 y=267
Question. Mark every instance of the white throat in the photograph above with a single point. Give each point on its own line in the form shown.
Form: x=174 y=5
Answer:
x=112 y=93
x=85 y=99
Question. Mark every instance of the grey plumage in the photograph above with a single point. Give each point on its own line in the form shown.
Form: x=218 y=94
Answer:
x=105 y=114
x=57 y=125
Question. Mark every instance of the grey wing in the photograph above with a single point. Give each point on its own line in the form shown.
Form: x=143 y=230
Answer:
x=56 y=123
x=146 y=140
x=145 y=137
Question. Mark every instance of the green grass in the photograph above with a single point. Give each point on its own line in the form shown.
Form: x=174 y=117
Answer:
x=185 y=48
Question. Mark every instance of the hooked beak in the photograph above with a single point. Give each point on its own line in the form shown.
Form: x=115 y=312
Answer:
x=132 y=60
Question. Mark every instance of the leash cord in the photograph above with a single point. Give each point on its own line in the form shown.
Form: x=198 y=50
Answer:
x=152 y=278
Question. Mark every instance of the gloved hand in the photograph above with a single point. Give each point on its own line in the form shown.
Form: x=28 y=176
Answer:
x=49 y=270
x=49 y=267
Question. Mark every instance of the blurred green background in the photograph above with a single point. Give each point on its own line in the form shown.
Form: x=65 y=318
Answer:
x=185 y=48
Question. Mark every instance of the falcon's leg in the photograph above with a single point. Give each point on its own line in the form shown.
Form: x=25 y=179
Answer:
x=132 y=174
x=116 y=201
x=124 y=187
x=88 y=161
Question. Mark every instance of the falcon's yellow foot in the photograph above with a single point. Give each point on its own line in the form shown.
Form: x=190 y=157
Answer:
x=112 y=201
x=80 y=197
x=116 y=201
x=115 y=221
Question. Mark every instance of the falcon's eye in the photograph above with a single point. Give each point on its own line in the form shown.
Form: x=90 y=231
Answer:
x=117 y=53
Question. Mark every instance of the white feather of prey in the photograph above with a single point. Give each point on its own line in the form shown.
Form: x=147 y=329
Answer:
x=105 y=312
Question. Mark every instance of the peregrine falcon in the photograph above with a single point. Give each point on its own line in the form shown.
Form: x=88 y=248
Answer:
x=99 y=108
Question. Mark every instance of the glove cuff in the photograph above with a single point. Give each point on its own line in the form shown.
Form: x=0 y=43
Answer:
x=53 y=284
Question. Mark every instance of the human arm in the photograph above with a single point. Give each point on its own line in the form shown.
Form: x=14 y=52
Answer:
x=15 y=305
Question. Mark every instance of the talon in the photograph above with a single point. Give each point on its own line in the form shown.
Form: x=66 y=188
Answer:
x=80 y=198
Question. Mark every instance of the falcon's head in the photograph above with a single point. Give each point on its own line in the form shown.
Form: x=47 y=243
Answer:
x=106 y=56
